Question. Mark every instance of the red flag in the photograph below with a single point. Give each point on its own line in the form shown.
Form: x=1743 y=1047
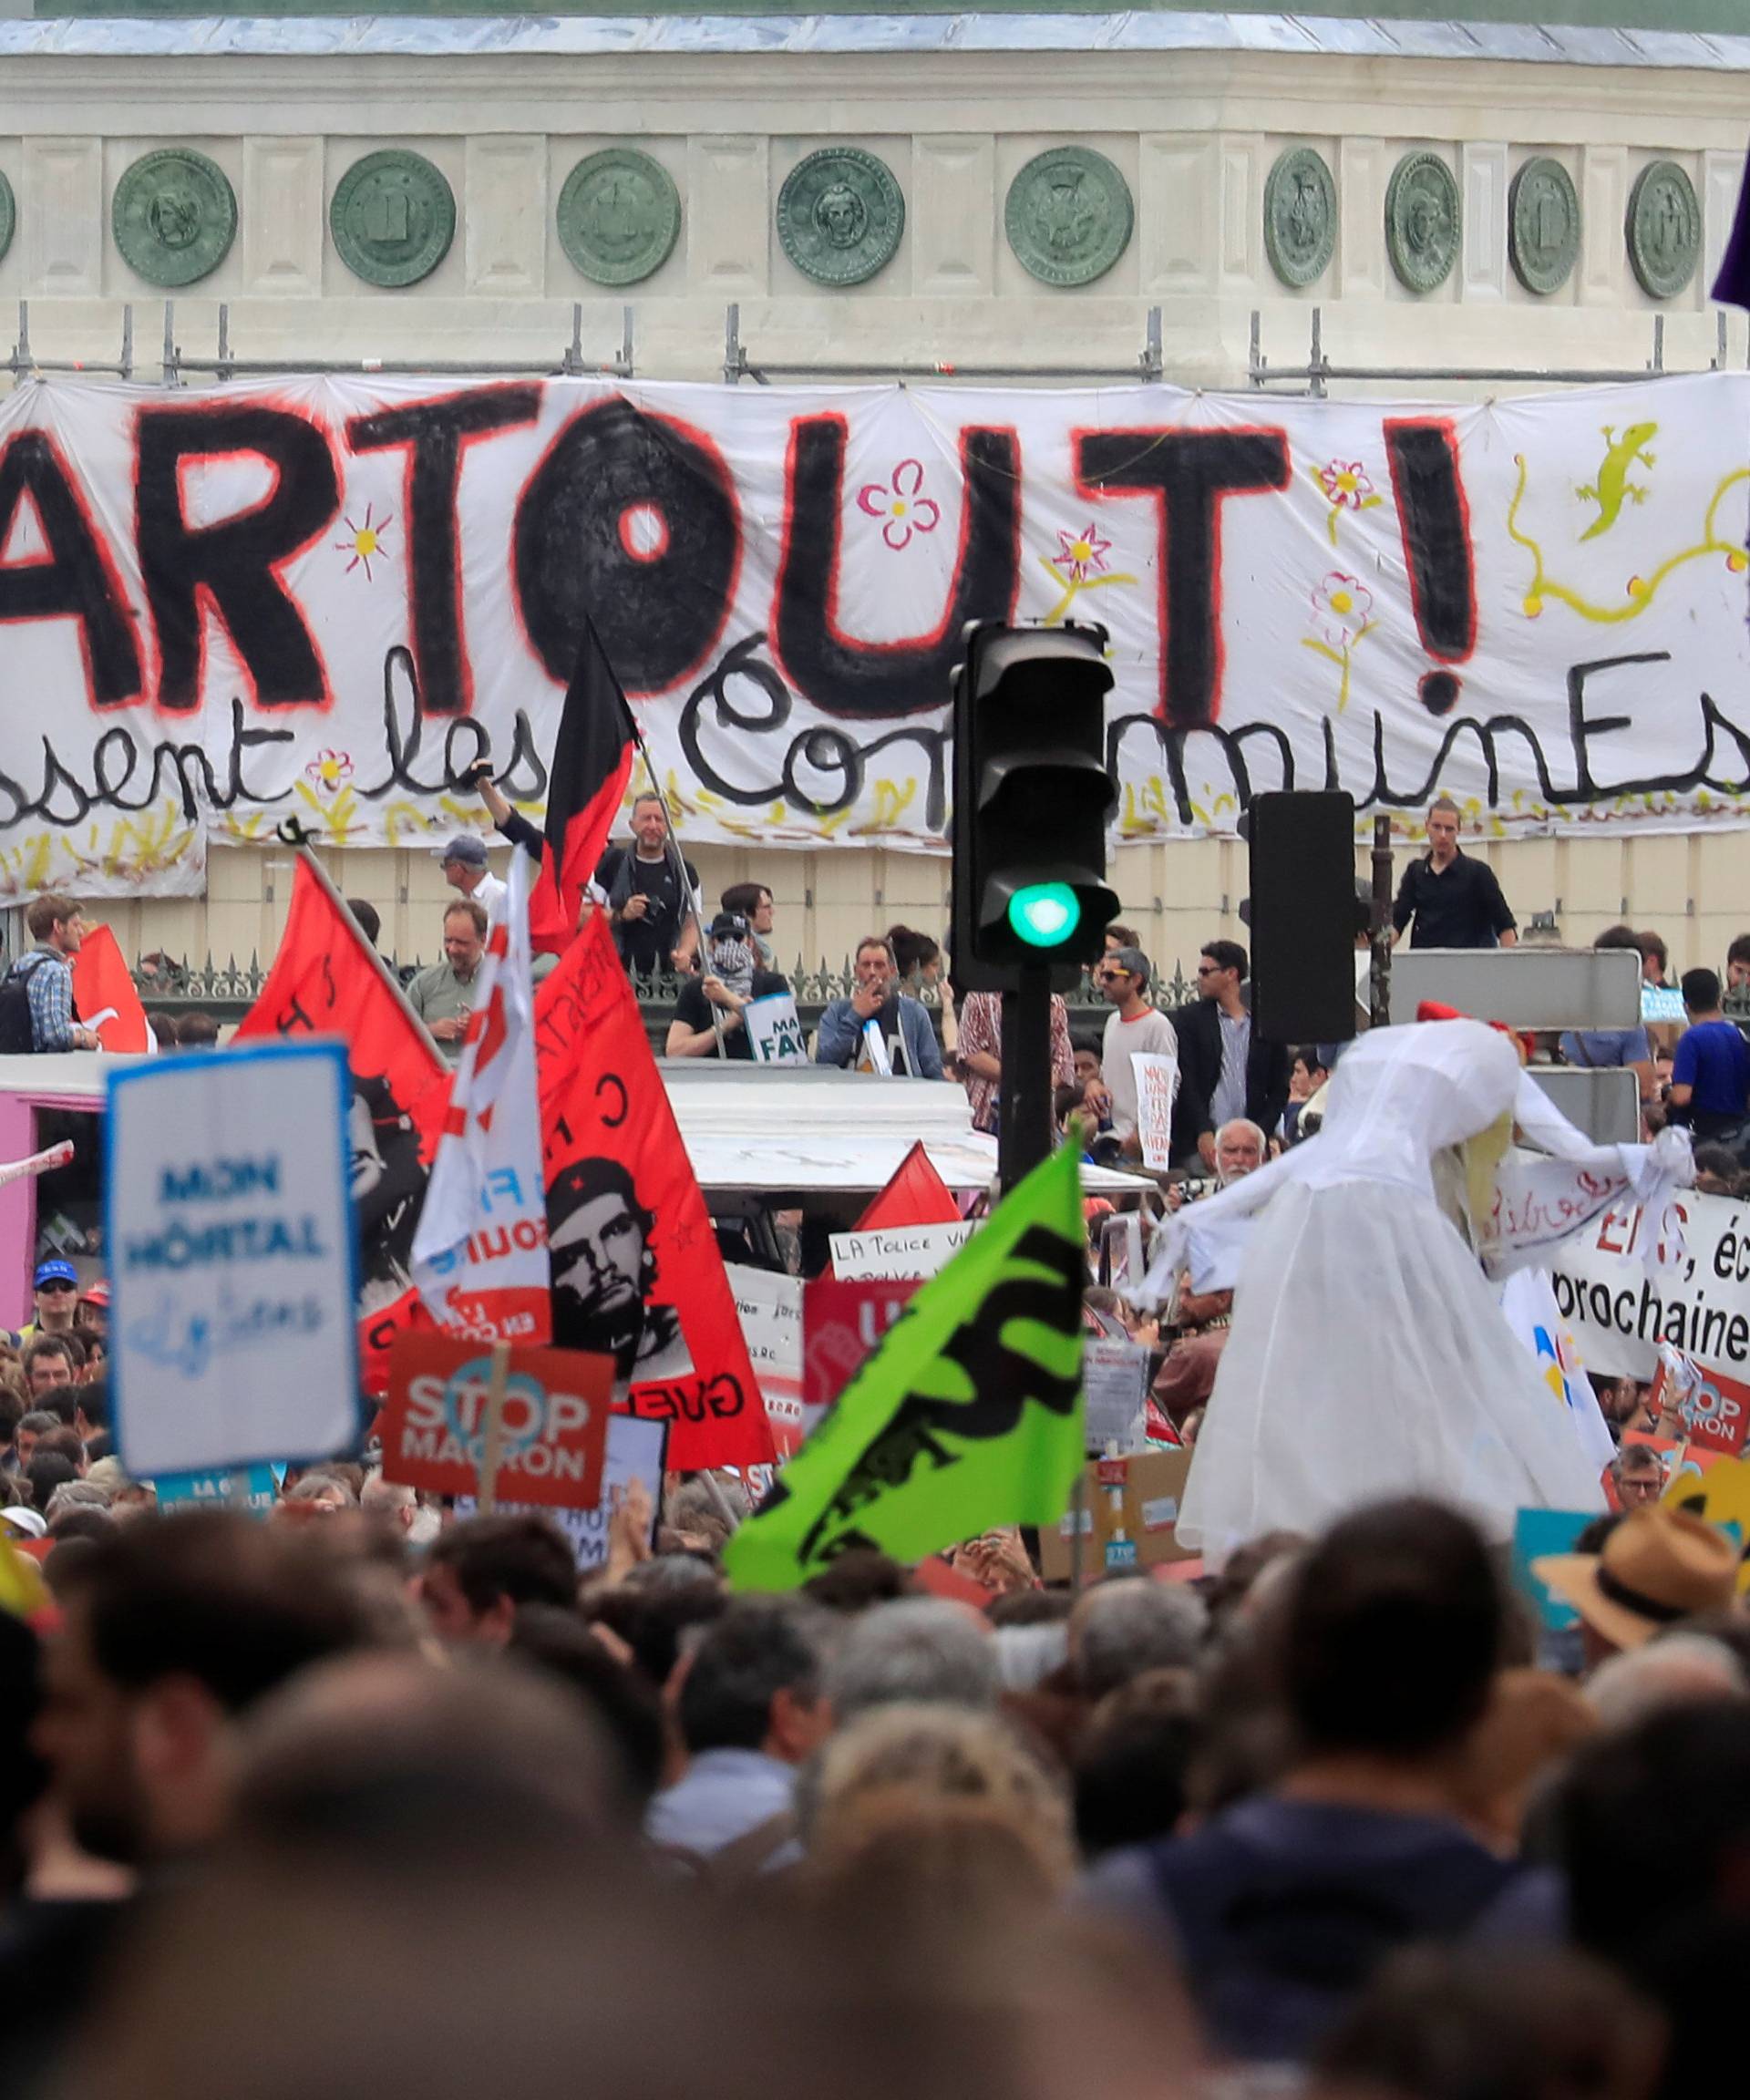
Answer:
x=592 y=764
x=326 y=980
x=104 y=986
x=917 y=1195
x=637 y=1272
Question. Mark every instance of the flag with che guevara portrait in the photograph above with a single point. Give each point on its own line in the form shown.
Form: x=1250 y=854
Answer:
x=968 y=1414
x=637 y=1272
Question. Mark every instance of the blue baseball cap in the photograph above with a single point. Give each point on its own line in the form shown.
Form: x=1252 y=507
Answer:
x=57 y=1272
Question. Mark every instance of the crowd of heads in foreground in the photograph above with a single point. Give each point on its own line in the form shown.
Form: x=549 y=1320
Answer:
x=346 y=1796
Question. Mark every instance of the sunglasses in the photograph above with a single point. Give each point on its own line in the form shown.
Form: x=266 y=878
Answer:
x=56 y=1284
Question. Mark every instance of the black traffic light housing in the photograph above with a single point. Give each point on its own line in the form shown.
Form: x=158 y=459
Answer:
x=1031 y=799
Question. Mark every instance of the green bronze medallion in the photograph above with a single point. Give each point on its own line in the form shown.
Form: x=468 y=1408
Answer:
x=174 y=216
x=1300 y=216
x=1664 y=230
x=393 y=217
x=1423 y=221
x=8 y=216
x=619 y=216
x=840 y=215
x=1068 y=216
x=1543 y=226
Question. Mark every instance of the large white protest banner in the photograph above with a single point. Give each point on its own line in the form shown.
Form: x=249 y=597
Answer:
x=1621 y=1311
x=328 y=597
x=232 y=1258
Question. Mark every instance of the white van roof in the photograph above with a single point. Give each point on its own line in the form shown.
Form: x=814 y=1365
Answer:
x=801 y=1130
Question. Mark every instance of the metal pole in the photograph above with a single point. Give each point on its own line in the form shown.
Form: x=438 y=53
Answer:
x=1024 y=1115
x=1379 y=971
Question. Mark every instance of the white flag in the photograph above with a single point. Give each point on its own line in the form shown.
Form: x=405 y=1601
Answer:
x=479 y=1255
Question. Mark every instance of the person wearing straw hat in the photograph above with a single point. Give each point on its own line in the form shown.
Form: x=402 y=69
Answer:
x=1658 y=1566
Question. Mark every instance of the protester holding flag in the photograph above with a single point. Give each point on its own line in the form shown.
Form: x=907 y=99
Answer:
x=37 y=1008
x=479 y=1255
x=637 y=1272
x=592 y=758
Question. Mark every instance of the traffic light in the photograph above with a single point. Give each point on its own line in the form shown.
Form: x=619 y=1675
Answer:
x=1032 y=796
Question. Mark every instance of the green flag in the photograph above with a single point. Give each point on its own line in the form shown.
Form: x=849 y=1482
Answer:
x=968 y=1414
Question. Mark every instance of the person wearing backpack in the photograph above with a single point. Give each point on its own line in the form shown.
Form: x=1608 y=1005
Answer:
x=37 y=1009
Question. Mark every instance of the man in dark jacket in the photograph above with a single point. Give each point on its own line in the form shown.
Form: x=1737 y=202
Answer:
x=1226 y=1069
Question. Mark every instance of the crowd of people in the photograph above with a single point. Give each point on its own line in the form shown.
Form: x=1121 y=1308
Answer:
x=411 y=1792
x=359 y=1788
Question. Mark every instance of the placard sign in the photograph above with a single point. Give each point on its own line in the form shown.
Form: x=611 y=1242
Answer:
x=899 y=1252
x=842 y=1323
x=232 y=1258
x=1115 y=1381
x=1157 y=1088
x=635 y=1451
x=769 y=1307
x=774 y=1031
x=556 y=1406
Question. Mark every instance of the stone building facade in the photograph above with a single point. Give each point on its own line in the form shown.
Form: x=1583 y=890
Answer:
x=1062 y=199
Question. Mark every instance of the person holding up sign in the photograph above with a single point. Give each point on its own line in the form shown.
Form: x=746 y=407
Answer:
x=733 y=980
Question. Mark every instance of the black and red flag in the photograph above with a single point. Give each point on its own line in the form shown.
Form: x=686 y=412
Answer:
x=636 y=1274
x=327 y=980
x=592 y=764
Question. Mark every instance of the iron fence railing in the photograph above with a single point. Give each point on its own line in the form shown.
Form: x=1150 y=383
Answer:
x=174 y=986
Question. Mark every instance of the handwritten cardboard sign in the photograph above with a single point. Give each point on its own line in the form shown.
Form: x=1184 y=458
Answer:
x=1137 y=1498
x=1157 y=1088
x=555 y=1430
x=769 y=1307
x=232 y=1258
x=899 y=1252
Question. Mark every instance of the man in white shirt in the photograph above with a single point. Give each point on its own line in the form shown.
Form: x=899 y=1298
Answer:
x=465 y=869
x=1134 y=1026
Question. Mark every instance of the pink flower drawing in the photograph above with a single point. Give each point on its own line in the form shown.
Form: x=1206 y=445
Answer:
x=901 y=503
x=1346 y=484
x=364 y=543
x=1341 y=608
x=329 y=768
x=1081 y=554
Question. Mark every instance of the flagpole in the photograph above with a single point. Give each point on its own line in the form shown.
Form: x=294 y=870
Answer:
x=292 y=833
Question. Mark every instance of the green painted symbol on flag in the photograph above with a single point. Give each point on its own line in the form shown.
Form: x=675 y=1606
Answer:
x=968 y=1414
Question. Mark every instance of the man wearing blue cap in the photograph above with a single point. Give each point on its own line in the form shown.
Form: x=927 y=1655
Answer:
x=57 y=1300
x=465 y=869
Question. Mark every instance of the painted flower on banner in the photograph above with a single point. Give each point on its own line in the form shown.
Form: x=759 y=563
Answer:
x=330 y=769
x=1081 y=554
x=1341 y=609
x=1345 y=485
x=901 y=503
x=364 y=541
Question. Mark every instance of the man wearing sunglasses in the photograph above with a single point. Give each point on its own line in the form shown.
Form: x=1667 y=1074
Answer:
x=1133 y=1027
x=57 y=1300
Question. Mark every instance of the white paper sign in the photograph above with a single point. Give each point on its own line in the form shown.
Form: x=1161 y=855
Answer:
x=774 y=1032
x=1113 y=1382
x=1157 y=1088
x=897 y=1253
x=769 y=1307
x=232 y=1259
x=635 y=1451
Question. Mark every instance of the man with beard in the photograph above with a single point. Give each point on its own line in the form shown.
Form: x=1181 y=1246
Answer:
x=598 y=1235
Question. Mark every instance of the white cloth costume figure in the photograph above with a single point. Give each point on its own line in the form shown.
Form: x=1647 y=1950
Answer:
x=1369 y=1355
